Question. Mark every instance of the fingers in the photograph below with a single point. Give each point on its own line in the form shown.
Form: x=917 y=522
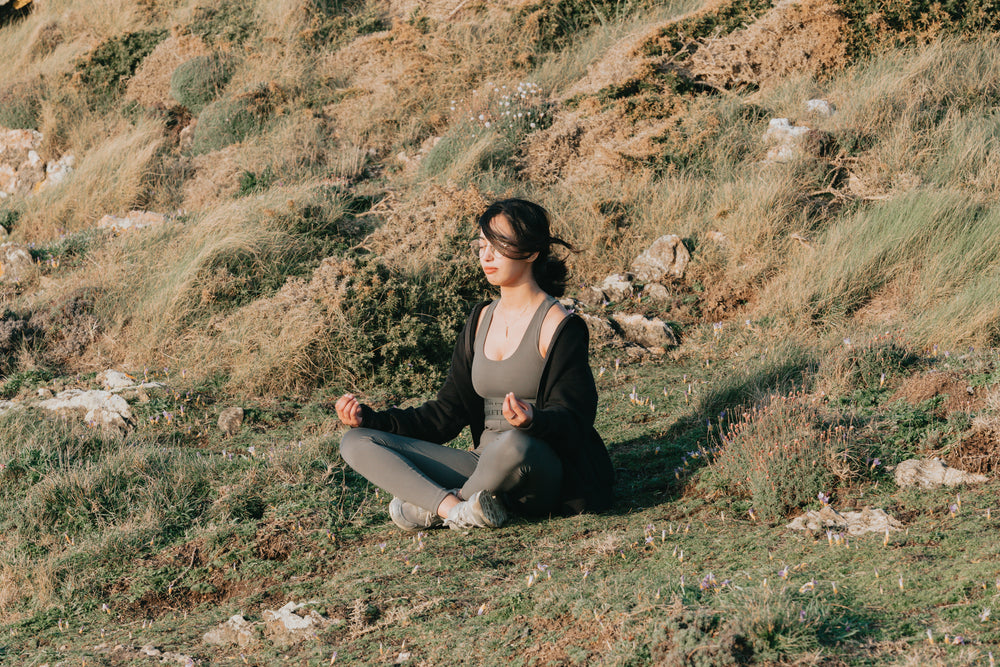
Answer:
x=348 y=410
x=518 y=413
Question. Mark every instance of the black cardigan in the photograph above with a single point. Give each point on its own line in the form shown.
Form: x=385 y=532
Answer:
x=563 y=414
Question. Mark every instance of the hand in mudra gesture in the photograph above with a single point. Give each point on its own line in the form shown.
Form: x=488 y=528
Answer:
x=349 y=410
x=517 y=412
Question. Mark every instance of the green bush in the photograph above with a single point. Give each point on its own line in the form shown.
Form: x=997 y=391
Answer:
x=104 y=72
x=20 y=104
x=783 y=455
x=225 y=23
x=399 y=331
x=197 y=82
x=231 y=120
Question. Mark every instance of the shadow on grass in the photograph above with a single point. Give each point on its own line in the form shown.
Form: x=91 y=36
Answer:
x=652 y=471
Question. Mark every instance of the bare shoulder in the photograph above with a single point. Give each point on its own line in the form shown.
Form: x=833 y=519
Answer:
x=557 y=313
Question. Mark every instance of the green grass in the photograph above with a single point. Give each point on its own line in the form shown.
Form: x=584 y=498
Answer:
x=175 y=528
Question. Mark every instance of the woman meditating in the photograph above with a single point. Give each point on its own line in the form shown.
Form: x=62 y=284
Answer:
x=520 y=379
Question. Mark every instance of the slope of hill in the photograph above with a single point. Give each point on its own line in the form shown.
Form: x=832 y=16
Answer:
x=311 y=170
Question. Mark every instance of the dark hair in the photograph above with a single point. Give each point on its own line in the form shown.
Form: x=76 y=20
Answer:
x=529 y=223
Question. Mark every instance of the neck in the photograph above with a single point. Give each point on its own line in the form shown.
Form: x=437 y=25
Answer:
x=519 y=297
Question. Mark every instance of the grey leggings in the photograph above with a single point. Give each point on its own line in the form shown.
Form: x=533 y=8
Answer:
x=524 y=471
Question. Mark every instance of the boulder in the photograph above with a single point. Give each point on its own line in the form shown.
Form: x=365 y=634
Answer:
x=666 y=258
x=933 y=473
x=237 y=631
x=853 y=523
x=102 y=408
x=292 y=623
x=16 y=263
x=112 y=379
x=22 y=169
x=600 y=329
x=649 y=333
x=231 y=421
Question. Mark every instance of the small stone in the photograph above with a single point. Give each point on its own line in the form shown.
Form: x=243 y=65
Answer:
x=667 y=258
x=231 y=420
x=132 y=220
x=292 y=623
x=600 y=329
x=646 y=332
x=617 y=287
x=656 y=292
x=820 y=108
x=16 y=263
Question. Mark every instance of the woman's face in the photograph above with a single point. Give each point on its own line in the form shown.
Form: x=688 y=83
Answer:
x=500 y=270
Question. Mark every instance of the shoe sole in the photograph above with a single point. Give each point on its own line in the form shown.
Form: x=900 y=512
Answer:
x=491 y=509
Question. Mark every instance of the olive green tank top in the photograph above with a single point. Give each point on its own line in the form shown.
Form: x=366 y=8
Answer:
x=519 y=373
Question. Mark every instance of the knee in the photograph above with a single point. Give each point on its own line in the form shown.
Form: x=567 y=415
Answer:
x=353 y=445
x=514 y=448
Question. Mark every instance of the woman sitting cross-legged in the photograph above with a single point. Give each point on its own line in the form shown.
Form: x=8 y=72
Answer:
x=520 y=378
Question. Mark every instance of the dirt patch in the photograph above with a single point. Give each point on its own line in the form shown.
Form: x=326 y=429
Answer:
x=805 y=37
x=958 y=395
x=150 y=86
x=553 y=636
x=977 y=452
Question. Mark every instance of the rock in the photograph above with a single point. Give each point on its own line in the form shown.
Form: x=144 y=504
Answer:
x=600 y=329
x=57 y=172
x=15 y=263
x=649 y=333
x=102 y=407
x=933 y=473
x=292 y=624
x=616 y=287
x=787 y=141
x=112 y=379
x=132 y=220
x=231 y=420
x=820 y=108
x=186 y=136
x=854 y=523
x=656 y=292
x=666 y=258
x=237 y=631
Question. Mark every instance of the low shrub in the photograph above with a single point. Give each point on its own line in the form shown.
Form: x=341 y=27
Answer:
x=197 y=82
x=231 y=120
x=104 y=72
x=20 y=105
x=783 y=455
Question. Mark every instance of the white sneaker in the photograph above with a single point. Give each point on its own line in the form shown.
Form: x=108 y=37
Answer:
x=482 y=510
x=411 y=517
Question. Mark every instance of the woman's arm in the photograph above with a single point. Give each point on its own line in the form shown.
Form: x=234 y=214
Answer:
x=569 y=405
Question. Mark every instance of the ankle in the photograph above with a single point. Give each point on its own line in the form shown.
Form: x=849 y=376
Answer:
x=449 y=501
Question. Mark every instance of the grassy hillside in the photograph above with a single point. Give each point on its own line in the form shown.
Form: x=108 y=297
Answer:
x=318 y=166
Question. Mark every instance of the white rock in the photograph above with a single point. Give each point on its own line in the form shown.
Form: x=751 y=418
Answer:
x=656 y=292
x=102 y=407
x=820 y=108
x=112 y=379
x=600 y=329
x=57 y=172
x=15 y=262
x=290 y=624
x=666 y=258
x=785 y=140
x=132 y=220
x=616 y=287
x=933 y=473
x=236 y=631
x=854 y=523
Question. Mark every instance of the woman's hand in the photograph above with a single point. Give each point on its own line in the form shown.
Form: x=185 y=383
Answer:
x=349 y=410
x=517 y=412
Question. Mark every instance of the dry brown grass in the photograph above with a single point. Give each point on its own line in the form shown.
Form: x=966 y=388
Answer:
x=792 y=37
x=110 y=178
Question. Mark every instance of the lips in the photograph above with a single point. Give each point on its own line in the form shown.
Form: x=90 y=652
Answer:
x=489 y=269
